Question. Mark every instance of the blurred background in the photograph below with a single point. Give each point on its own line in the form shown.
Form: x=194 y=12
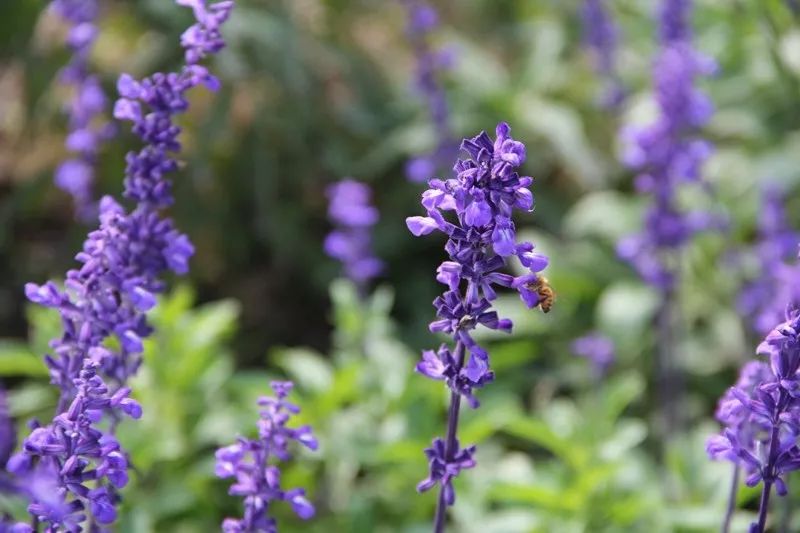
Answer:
x=317 y=90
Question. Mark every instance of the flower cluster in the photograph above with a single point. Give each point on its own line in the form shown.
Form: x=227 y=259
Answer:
x=422 y=20
x=350 y=211
x=75 y=452
x=597 y=349
x=76 y=175
x=103 y=304
x=761 y=414
x=600 y=37
x=669 y=151
x=764 y=299
x=474 y=210
x=251 y=462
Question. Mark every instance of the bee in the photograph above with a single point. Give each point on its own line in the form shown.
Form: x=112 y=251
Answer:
x=547 y=296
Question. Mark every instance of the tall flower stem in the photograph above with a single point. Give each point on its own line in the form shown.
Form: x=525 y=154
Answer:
x=726 y=522
x=763 y=506
x=451 y=445
x=668 y=379
x=774 y=445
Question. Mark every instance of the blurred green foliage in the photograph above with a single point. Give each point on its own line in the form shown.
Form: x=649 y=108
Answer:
x=315 y=90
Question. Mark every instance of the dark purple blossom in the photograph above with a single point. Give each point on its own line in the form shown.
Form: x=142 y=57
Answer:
x=76 y=174
x=597 y=349
x=764 y=299
x=669 y=152
x=252 y=463
x=600 y=38
x=430 y=62
x=353 y=216
x=444 y=469
x=474 y=210
x=761 y=414
x=103 y=304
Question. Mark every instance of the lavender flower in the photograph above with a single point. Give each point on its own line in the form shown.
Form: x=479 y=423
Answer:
x=76 y=175
x=109 y=296
x=350 y=211
x=75 y=452
x=597 y=349
x=669 y=152
x=765 y=298
x=475 y=211
x=422 y=20
x=251 y=462
x=762 y=416
x=600 y=37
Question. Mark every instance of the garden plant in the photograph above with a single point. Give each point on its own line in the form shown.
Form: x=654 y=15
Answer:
x=223 y=223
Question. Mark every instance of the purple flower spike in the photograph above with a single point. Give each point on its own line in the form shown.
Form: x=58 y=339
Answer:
x=600 y=36
x=72 y=469
x=764 y=299
x=761 y=416
x=422 y=21
x=251 y=463
x=669 y=152
x=475 y=211
x=76 y=174
x=351 y=242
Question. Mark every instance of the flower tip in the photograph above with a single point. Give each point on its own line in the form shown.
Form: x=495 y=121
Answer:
x=419 y=226
x=503 y=129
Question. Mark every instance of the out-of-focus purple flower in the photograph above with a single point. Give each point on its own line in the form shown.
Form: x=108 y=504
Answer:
x=674 y=18
x=351 y=212
x=8 y=433
x=600 y=38
x=597 y=349
x=252 y=464
x=764 y=299
x=76 y=174
x=761 y=415
x=669 y=152
x=103 y=305
x=422 y=21
x=474 y=210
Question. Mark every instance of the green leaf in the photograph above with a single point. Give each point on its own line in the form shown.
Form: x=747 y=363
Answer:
x=606 y=214
x=539 y=433
x=16 y=359
x=552 y=499
x=307 y=368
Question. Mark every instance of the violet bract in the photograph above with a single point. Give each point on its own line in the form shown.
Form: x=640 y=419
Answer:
x=474 y=210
